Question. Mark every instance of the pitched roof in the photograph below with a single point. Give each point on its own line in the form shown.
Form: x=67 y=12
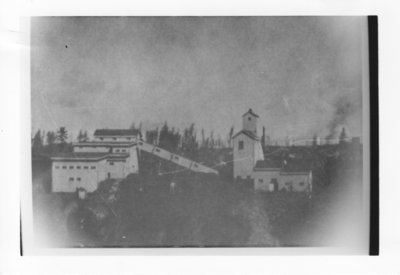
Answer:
x=247 y=133
x=93 y=156
x=117 y=132
x=250 y=111
x=297 y=167
x=117 y=156
x=88 y=156
x=267 y=164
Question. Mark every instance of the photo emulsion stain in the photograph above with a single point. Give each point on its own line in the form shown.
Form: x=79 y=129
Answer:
x=198 y=132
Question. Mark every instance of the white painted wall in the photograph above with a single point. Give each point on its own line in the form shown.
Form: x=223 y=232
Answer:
x=243 y=159
x=295 y=180
x=262 y=179
x=250 y=123
x=115 y=169
x=63 y=171
x=132 y=163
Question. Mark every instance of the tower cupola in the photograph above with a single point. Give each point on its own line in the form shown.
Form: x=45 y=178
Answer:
x=250 y=121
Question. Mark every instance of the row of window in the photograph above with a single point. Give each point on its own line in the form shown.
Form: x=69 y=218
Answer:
x=72 y=167
x=114 y=138
x=72 y=179
x=122 y=150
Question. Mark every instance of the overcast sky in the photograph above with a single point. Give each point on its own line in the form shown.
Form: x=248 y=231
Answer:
x=301 y=75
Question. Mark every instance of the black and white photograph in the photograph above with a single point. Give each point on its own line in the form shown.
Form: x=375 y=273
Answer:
x=199 y=132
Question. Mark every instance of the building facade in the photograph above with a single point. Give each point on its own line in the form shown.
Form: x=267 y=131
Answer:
x=112 y=154
x=78 y=170
x=247 y=149
x=249 y=163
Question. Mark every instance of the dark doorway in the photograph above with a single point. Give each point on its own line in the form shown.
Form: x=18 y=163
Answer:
x=275 y=185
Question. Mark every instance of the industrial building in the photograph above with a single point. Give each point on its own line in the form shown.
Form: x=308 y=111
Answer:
x=113 y=153
x=249 y=163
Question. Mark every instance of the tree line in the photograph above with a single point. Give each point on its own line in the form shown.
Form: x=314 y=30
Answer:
x=55 y=141
x=187 y=142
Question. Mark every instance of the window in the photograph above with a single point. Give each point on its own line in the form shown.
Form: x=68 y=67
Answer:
x=57 y=167
x=128 y=138
x=115 y=138
x=176 y=157
x=117 y=150
x=78 y=179
x=111 y=163
x=301 y=183
x=241 y=145
x=158 y=150
x=101 y=138
x=195 y=165
x=123 y=150
x=93 y=167
x=78 y=167
x=249 y=118
x=71 y=179
x=260 y=180
x=64 y=167
x=85 y=167
x=71 y=167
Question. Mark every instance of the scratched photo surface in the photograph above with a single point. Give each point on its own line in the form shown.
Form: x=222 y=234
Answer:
x=198 y=131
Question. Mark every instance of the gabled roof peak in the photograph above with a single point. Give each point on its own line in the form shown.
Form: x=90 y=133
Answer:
x=250 y=111
x=247 y=133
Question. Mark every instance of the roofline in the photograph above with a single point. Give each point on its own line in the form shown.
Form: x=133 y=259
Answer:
x=92 y=159
x=250 y=111
x=104 y=144
x=244 y=132
x=117 y=156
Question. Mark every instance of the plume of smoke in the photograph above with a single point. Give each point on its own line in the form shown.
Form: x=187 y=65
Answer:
x=345 y=108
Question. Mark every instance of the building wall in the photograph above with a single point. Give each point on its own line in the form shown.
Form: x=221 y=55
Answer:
x=289 y=182
x=69 y=175
x=115 y=138
x=263 y=179
x=250 y=123
x=115 y=169
x=132 y=163
x=243 y=159
x=116 y=149
x=258 y=151
x=292 y=182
